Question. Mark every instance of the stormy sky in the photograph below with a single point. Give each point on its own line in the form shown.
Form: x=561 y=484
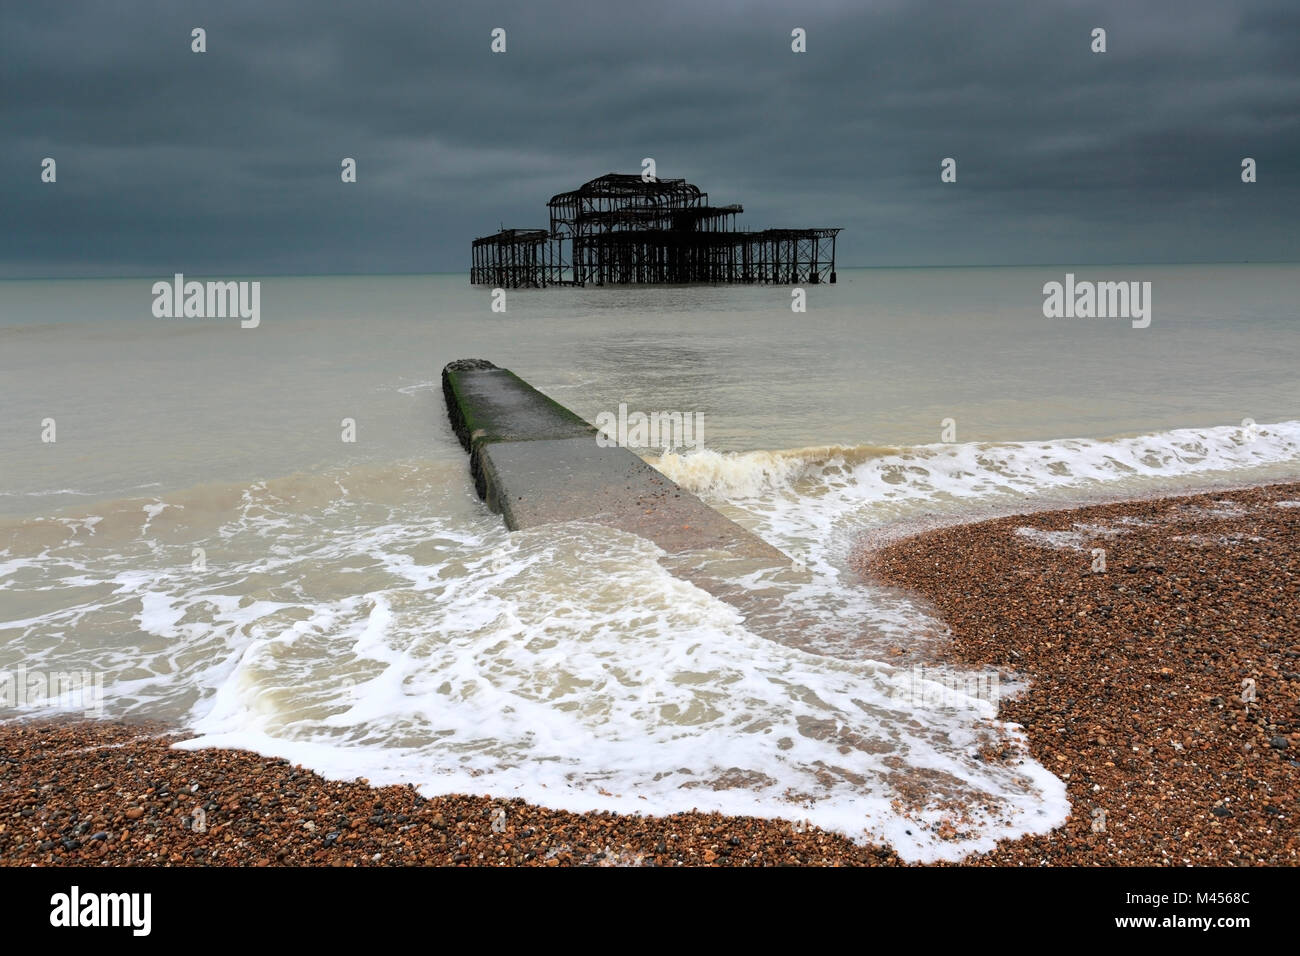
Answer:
x=228 y=162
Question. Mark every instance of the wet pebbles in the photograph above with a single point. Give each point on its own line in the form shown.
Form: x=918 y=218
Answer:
x=1166 y=693
x=87 y=793
x=1166 y=688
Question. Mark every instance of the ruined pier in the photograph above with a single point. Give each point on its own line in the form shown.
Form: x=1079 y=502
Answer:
x=622 y=228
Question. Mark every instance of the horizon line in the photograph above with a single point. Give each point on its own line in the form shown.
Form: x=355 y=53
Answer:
x=448 y=272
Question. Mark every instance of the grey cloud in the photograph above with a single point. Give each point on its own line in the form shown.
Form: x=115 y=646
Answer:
x=228 y=162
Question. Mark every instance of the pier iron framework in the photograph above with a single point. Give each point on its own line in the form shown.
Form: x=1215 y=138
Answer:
x=624 y=229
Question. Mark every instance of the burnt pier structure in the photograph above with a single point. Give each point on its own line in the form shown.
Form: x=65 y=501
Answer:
x=624 y=229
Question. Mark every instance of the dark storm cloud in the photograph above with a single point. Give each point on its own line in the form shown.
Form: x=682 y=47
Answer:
x=228 y=162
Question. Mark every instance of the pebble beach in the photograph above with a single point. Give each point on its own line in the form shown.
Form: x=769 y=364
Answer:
x=1164 y=689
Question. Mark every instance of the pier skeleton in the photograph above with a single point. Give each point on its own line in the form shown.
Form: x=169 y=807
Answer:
x=621 y=228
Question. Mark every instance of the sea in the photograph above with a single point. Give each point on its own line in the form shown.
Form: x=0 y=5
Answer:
x=268 y=536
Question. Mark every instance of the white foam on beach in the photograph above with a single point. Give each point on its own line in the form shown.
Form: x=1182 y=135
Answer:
x=1218 y=540
x=626 y=689
x=378 y=622
x=975 y=469
x=564 y=665
x=822 y=497
x=1080 y=538
x=45 y=494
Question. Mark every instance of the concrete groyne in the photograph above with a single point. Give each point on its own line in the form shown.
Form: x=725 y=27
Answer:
x=535 y=462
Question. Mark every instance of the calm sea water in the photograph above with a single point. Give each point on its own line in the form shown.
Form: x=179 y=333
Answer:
x=201 y=538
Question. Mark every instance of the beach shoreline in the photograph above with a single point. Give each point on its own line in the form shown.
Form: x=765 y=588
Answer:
x=1164 y=688
x=1136 y=702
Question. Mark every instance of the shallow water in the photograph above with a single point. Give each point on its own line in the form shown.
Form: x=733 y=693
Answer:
x=201 y=536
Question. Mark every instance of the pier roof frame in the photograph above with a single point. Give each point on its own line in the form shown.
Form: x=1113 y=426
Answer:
x=631 y=186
